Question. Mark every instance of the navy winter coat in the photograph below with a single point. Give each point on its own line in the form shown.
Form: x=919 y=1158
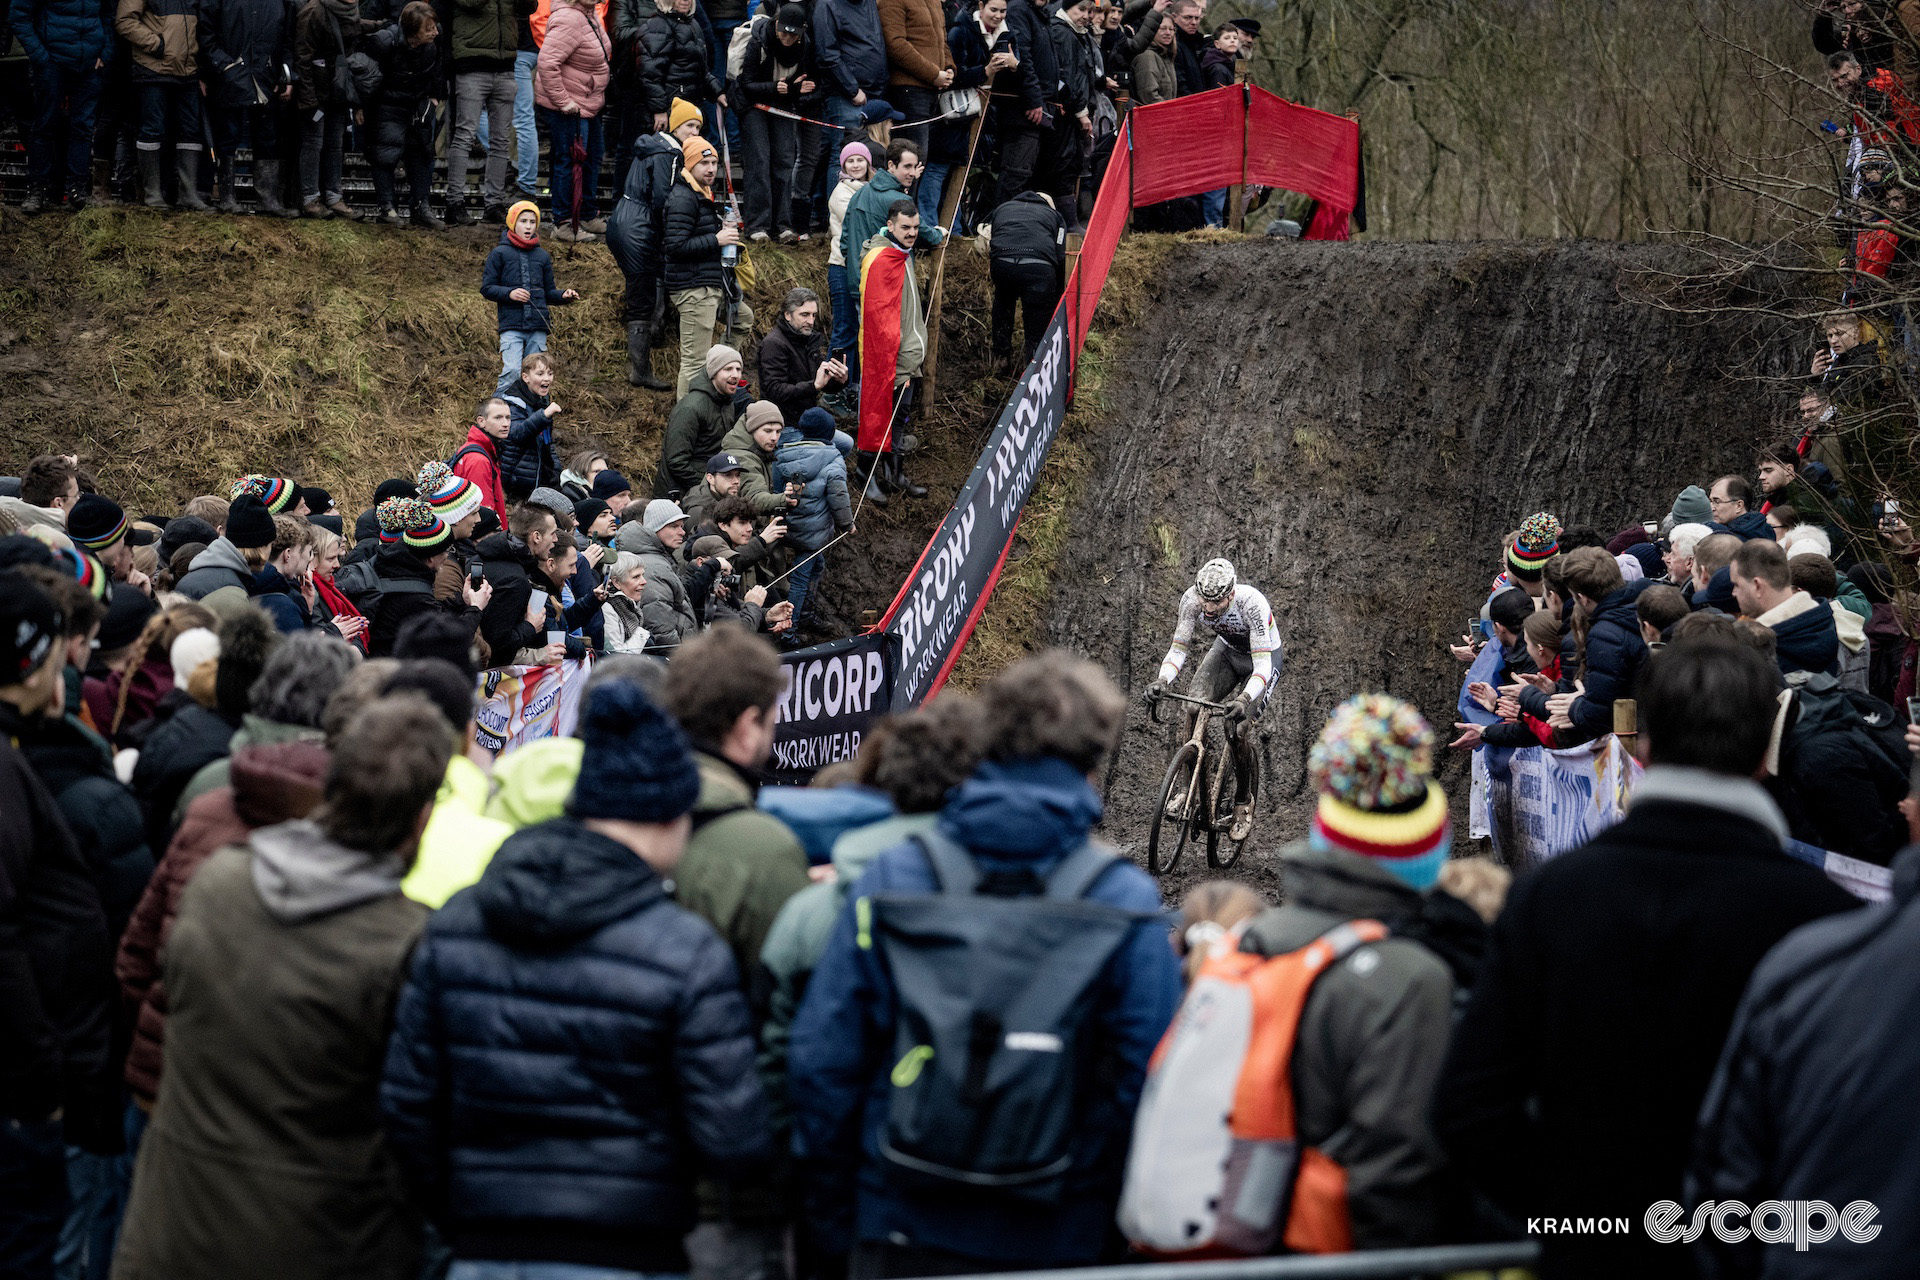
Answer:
x=1808 y=641
x=282 y=601
x=69 y=33
x=1615 y=651
x=570 y=1050
x=527 y=460
x=850 y=47
x=248 y=46
x=1011 y=815
x=509 y=268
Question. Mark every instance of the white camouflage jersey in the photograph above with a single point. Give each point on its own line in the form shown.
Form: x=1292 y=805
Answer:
x=1247 y=625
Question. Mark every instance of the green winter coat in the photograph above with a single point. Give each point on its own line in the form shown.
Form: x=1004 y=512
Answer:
x=741 y=865
x=1370 y=1044
x=695 y=428
x=756 y=471
x=486 y=32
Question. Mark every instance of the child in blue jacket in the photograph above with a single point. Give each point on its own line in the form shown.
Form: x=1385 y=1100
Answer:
x=810 y=456
x=519 y=280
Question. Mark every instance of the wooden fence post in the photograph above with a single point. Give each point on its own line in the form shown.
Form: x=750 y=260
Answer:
x=949 y=203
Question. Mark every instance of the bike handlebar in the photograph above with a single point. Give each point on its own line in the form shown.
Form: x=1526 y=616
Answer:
x=1153 y=708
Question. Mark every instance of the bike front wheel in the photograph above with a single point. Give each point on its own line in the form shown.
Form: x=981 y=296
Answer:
x=1173 y=816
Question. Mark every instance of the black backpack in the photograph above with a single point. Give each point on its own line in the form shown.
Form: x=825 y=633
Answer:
x=363 y=585
x=995 y=1049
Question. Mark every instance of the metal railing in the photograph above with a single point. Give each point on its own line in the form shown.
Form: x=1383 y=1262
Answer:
x=1375 y=1264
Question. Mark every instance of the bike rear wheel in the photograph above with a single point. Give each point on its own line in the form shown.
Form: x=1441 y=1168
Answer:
x=1169 y=832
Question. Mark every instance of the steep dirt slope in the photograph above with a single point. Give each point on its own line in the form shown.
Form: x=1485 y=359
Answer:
x=1355 y=427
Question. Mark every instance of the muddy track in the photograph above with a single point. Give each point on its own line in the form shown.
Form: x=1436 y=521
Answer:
x=1355 y=427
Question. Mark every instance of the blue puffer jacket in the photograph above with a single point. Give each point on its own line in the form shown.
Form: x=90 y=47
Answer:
x=509 y=268
x=1809 y=640
x=1615 y=651
x=570 y=1049
x=1029 y=813
x=527 y=459
x=824 y=509
x=69 y=33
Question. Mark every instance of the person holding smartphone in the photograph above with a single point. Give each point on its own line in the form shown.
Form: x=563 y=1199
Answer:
x=405 y=572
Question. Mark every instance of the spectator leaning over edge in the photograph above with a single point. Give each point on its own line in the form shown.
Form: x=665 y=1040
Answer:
x=1590 y=1115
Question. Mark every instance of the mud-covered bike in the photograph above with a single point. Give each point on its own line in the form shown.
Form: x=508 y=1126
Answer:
x=1197 y=794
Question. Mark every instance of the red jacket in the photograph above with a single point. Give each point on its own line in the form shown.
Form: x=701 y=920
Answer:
x=270 y=784
x=1885 y=112
x=479 y=462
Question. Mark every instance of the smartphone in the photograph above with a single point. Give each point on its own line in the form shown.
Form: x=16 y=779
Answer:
x=476 y=574
x=1913 y=710
x=1651 y=526
x=538 y=601
x=1891 y=507
x=1473 y=627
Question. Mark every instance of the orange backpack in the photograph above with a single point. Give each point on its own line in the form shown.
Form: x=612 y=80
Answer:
x=1216 y=1167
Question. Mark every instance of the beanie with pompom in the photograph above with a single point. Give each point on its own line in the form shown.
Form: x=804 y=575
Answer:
x=453 y=498
x=1537 y=542
x=635 y=761
x=1372 y=766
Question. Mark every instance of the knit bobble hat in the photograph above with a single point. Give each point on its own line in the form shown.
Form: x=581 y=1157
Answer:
x=1537 y=542
x=277 y=495
x=1371 y=766
x=816 y=424
x=635 y=765
x=90 y=573
x=453 y=498
x=189 y=649
x=421 y=531
x=680 y=113
x=249 y=523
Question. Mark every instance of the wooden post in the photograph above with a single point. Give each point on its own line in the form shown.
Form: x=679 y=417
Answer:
x=949 y=203
x=1626 y=723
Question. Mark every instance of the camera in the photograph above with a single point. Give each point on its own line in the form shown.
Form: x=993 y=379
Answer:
x=731 y=581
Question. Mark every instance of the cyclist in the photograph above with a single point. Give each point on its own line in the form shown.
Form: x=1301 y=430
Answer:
x=1245 y=653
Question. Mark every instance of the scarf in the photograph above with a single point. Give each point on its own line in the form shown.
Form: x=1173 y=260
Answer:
x=337 y=603
x=686 y=176
x=519 y=241
x=345 y=9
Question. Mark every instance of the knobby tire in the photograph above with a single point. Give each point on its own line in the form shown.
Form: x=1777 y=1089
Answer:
x=1184 y=765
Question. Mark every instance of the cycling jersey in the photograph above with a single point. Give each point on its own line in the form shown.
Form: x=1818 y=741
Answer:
x=1246 y=625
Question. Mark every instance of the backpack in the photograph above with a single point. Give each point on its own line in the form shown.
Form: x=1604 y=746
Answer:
x=366 y=588
x=1216 y=1167
x=737 y=44
x=995 y=1050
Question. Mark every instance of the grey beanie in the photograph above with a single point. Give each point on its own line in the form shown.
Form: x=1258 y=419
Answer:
x=1691 y=506
x=660 y=513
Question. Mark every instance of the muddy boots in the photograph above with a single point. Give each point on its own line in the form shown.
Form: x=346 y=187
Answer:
x=873 y=468
x=640 y=358
x=229 y=201
x=186 y=168
x=150 y=178
x=897 y=477
x=266 y=190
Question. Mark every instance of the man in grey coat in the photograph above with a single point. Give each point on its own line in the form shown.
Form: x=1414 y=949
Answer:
x=665 y=603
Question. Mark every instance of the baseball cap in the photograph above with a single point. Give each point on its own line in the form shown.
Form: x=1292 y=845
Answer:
x=721 y=463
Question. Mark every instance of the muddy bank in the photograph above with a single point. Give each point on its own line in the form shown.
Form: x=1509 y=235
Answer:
x=1355 y=427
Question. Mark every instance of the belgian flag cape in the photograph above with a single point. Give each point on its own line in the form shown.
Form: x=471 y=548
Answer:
x=883 y=276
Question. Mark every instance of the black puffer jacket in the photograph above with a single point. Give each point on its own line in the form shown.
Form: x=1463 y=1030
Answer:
x=689 y=239
x=249 y=49
x=504 y=626
x=758 y=70
x=570 y=1049
x=398 y=569
x=633 y=231
x=100 y=811
x=1027 y=228
x=675 y=62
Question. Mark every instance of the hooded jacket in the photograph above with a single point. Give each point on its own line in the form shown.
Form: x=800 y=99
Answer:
x=570 y=1048
x=765 y=56
x=1027 y=228
x=165 y=38
x=824 y=508
x=633 y=230
x=1615 y=650
x=1020 y=815
x=1839 y=783
x=675 y=62
x=696 y=426
x=1791 y=1114
x=1805 y=635
x=478 y=463
x=867 y=217
x=275 y=593
x=254 y=731
x=665 y=604
x=741 y=866
x=269 y=784
x=266 y=1153
x=1077 y=55
x=510 y=267
x=249 y=49
x=220 y=565
x=1041 y=80
x=851 y=46
x=1578 y=1068
x=573 y=62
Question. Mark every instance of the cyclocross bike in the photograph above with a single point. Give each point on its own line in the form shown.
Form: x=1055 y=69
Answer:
x=1197 y=794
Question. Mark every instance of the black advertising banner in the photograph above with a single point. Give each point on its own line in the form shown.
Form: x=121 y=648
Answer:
x=834 y=692
x=936 y=609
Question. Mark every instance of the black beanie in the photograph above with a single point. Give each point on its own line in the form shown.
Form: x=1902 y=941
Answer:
x=128 y=609
x=249 y=523
x=247 y=640
x=30 y=625
x=636 y=763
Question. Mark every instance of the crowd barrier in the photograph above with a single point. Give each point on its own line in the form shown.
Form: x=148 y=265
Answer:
x=1372 y=1264
x=1245 y=135
x=518 y=705
x=1534 y=803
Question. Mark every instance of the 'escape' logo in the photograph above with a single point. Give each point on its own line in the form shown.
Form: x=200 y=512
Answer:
x=1799 y=1222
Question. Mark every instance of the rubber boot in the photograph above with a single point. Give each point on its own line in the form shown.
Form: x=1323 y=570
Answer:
x=150 y=178
x=186 y=165
x=266 y=190
x=423 y=217
x=874 y=493
x=899 y=479
x=640 y=359
x=229 y=202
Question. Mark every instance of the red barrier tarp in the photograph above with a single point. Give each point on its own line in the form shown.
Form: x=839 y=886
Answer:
x=1104 y=228
x=1187 y=145
x=1301 y=149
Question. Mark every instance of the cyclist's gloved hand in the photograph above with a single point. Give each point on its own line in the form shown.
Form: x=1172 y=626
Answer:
x=1240 y=710
x=1155 y=691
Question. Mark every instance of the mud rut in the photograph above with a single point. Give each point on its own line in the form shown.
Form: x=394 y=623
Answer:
x=1355 y=427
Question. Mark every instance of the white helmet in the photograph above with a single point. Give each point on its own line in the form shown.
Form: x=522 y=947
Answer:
x=1215 y=580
